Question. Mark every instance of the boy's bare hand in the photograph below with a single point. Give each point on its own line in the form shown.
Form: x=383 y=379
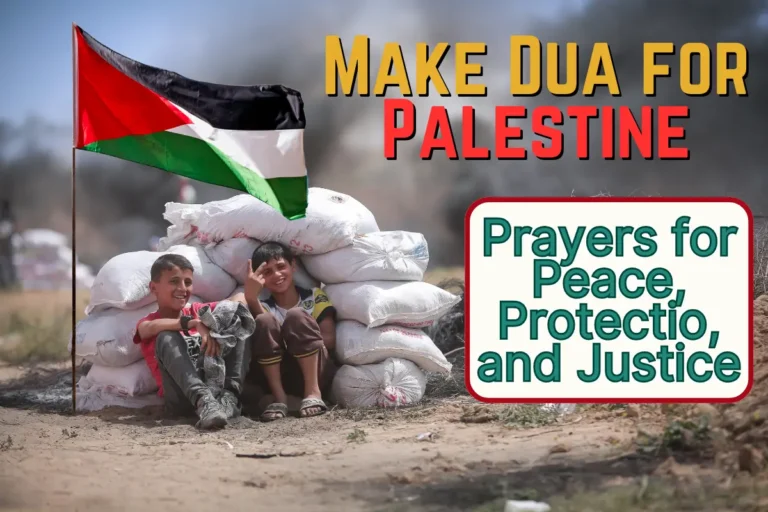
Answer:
x=209 y=346
x=255 y=282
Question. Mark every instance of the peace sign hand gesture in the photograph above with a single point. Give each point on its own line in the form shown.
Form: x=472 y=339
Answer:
x=254 y=282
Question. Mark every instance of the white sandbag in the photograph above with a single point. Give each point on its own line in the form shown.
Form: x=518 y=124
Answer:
x=133 y=380
x=93 y=398
x=381 y=256
x=358 y=345
x=232 y=256
x=374 y=303
x=123 y=282
x=332 y=220
x=391 y=383
x=106 y=337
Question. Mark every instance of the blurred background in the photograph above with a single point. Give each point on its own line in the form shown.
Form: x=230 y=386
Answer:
x=120 y=205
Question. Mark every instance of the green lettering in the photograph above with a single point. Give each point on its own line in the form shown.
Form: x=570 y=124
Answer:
x=599 y=235
x=659 y=277
x=493 y=366
x=691 y=367
x=608 y=319
x=489 y=239
x=727 y=361
x=545 y=245
x=576 y=277
x=644 y=238
x=506 y=322
x=553 y=356
x=627 y=324
x=642 y=361
x=539 y=281
x=518 y=356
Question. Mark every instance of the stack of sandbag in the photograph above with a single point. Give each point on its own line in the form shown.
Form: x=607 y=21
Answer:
x=376 y=284
x=332 y=221
x=120 y=297
x=231 y=229
x=43 y=261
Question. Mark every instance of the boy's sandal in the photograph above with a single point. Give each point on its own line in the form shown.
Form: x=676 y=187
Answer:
x=274 y=412
x=313 y=403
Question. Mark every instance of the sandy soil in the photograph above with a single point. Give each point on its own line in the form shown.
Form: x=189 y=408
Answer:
x=345 y=460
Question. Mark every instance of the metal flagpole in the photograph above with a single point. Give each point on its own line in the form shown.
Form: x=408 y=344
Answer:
x=74 y=224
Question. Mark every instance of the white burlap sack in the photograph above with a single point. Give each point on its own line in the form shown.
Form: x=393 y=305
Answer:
x=106 y=337
x=409 y=304
x=232 y=256
x=381 y=256
x=123 y=282
x=333 y=220
x=392 y=383
x=358 y=345
x=132 y=380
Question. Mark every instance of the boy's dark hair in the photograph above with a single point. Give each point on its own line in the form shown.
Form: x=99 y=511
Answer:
x=270 y=251
x=169 y=262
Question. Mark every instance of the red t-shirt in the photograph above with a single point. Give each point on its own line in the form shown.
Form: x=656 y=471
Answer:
x=148 y=345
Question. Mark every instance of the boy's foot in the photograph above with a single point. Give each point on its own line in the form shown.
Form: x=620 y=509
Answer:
x=210 y=413
x=275 y=411
x=312 y=406
x=229 y=404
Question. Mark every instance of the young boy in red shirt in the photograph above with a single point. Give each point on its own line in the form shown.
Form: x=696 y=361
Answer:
x=172 y=338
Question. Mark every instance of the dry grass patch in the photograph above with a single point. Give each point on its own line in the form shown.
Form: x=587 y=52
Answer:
x=35 y=326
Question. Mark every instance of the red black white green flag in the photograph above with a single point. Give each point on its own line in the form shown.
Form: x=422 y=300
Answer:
x=248 y=138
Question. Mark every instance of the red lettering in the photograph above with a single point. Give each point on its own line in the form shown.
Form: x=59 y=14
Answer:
x=505 y=133
x=468 y=149
x=391 y=132
x=629 y=130
x=667 y=132
x=609 y=140
x=554 y=151
x=438 y=124
x=582 y=114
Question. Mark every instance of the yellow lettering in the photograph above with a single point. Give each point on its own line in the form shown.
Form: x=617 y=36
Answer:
x=465 y=69
x=704 y=83
x=601 y=57
x=336 y=66
x=735 y=75
x=516 y=85
x=427 y=68
x=571 y=84
x=392 y=60
x=650 y=69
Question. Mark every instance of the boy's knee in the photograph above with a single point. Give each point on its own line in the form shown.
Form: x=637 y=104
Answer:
x=165 y=339
x=298 y=316
x=266 y=321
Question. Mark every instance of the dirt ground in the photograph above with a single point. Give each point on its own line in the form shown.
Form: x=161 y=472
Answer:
x=345 y=460
x=445 y=454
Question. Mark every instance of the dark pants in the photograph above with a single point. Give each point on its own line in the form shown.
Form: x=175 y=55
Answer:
x=183 y=383
x=298 y=337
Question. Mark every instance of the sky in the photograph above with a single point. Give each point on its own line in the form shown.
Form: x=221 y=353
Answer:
x=36 y=48
x=35 y=40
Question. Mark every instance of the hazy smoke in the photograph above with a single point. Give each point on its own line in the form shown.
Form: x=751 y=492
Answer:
x=120 y=204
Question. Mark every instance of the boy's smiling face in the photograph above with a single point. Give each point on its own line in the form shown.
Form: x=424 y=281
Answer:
x=278 y=275
x=173 y=289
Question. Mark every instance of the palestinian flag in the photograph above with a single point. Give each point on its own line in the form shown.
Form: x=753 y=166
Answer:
x=248 y=138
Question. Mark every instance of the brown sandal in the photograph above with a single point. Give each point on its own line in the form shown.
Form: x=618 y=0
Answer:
x=276 y=411
x=309 y=403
